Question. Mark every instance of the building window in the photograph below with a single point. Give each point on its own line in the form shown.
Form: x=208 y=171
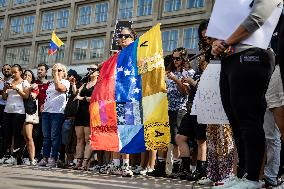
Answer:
x=97 y=48
x=55 y=19
x=101 y=12
x=47 y=21
x=1 y=27
x=125 y=9
x=18 y=2
x=88 y=49
x=18 y=55
x=29 y=22
x=3 y=3
x=195 y=4
x=190 y=38
x=170 y=40
x=16 y=23
x=62 y=18
x=172 y=5
x=144 y=7
x=43 y=57
x=84 y=16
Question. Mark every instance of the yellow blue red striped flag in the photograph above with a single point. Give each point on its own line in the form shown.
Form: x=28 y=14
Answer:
x=54 y=44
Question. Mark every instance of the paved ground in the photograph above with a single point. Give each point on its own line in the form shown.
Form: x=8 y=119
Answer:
x=25 y=177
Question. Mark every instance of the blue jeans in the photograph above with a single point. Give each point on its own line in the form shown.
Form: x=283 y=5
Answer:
x=67 y=126
x=51 y=129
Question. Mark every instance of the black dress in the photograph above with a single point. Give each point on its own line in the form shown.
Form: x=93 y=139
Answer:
x=82 y=117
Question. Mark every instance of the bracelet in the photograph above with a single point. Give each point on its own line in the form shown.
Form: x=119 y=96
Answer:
x=17 y=89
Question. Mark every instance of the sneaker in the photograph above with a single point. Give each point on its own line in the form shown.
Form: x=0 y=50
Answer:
x=206 y=182
x=42 y=163
x=246 y=184
x=3 y=159
x=114 y=170
x=95 y=169
x=145 y=171
x=110 y=168
x=137 y=170
x=105 y=169
x=51 y=162
x=26 y=161
x=33 y=162
x=11 y=161
x=269 y=185
x=227 y=182
x=126 y=171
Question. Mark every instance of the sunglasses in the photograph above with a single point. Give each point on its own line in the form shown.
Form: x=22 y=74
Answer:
x=177 y=58
x=124 y=36
x=92 y=69
x=60 y=70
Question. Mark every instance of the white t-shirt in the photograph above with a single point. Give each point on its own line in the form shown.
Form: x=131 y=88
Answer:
x=2 y=83
x=15 y=103
x=55 y=101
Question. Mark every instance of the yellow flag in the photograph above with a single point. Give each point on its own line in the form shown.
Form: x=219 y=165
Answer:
x=150 y=51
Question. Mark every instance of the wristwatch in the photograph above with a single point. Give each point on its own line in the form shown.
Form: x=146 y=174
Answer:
x=17 y=89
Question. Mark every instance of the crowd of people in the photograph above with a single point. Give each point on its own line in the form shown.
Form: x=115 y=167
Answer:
x=244 y=154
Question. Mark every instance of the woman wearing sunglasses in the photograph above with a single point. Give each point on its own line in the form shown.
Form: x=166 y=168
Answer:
x=53 y=115
x=82 y=119
x=177 y=98
x=126 y=37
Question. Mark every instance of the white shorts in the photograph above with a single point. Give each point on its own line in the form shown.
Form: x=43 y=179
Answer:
x=275 y=95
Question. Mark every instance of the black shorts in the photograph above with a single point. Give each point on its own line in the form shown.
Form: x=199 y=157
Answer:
x=190 y=128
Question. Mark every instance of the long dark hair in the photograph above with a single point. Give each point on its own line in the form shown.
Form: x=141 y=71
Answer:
x=183 y=55
x=204 y=46
x=33 y=76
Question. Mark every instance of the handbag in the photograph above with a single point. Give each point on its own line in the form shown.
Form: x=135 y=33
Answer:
x=71 y=107
x=30 y=105
x=33 y=119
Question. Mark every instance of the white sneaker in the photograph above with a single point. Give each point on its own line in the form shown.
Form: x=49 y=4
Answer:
x=145 y=171
x=26 y=161
x=246 y=184
x=205 y=181
x=11 y=161
x=33 y=162
x=2 y=160
x=227 y=182
x=138 y=170
x=126 y=171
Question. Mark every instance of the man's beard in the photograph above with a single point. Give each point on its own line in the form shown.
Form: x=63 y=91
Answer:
x=7 y=75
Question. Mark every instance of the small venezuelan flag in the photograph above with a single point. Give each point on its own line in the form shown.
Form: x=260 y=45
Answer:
x=54 y=44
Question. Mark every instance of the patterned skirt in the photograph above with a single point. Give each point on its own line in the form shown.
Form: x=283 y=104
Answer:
x=220 y=154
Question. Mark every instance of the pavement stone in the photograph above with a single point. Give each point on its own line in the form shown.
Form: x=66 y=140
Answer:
x=28 y=177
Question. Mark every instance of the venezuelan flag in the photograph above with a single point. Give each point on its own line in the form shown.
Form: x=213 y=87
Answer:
x=54 y=44
x=129 y=106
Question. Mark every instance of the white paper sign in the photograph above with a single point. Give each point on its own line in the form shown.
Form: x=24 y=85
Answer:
x=209 y=108
x=227 y=16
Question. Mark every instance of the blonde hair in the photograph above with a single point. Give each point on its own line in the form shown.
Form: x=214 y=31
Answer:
x=63 y=67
